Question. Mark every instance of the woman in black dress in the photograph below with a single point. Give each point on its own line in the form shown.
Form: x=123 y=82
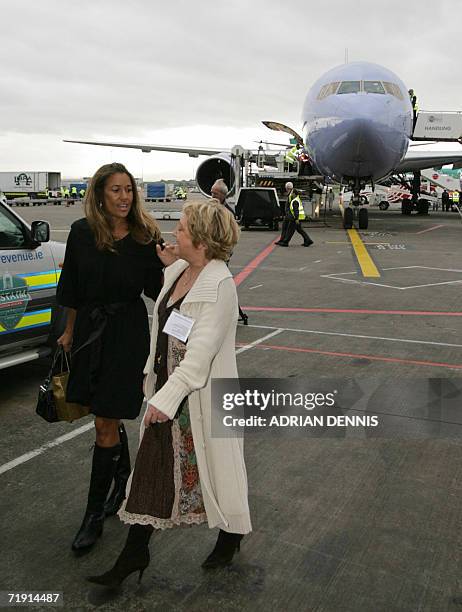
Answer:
x=111 y=258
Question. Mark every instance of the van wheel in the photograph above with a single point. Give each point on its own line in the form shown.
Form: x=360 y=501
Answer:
x=384 y=205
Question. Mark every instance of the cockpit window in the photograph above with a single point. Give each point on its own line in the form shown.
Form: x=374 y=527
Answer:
x=347 y=87
x=393 y=90
x=374 y=87
x=328 y=90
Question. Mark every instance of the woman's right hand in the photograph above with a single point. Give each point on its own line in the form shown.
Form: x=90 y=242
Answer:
x=65 y=341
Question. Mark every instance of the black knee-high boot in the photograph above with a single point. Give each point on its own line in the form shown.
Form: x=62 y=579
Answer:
x=102 y=472
x=133 y=558
x=123 y=469
x=223 y=553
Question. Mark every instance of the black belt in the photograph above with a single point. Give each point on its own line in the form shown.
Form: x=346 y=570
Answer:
x=99 y=316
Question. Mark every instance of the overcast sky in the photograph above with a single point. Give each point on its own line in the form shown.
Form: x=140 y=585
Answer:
x=196 y=72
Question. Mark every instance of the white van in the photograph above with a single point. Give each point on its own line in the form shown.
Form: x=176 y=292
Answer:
x=30 y=321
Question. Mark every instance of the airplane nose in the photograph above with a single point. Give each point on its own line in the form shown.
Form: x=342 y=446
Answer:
x=360 y=147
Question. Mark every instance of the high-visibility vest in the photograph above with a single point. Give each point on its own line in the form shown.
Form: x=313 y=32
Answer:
x=82 y=193
x=74 y=190
x=455 y=197
x=291 y=155
x=301 y=210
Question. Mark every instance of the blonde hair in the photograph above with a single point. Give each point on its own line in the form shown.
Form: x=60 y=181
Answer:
x=213 y=225
x=143 y=228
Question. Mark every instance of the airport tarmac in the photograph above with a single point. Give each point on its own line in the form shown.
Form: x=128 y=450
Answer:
x=351 y=523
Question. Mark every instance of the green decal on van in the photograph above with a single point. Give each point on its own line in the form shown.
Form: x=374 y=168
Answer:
x=14 y=298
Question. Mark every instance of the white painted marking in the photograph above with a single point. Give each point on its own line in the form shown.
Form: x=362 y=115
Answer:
x=325 y=333
x=255 y=287
x=336 y=276
x=430 y=229
x=247 y=347
x=80 y=430
x=301 y=269
x=41 y=449
x=318 y=261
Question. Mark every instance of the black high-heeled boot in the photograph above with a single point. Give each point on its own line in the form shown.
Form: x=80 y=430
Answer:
x=123 y=469
x=102 y=472
x=223 y=553
x=133 y=558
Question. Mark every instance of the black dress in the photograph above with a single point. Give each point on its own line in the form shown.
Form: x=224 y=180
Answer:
x=105 y=288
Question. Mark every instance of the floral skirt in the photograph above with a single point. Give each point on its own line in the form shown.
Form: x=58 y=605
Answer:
x=165 y=487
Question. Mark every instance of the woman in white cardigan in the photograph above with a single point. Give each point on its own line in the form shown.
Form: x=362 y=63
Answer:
x=182 y=474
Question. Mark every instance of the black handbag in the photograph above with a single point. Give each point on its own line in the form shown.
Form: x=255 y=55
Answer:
x=46 y=407
x=52 y=404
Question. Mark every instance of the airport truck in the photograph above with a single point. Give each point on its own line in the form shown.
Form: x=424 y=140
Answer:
x=158 y=191
x=32 y=185
x=30 y=320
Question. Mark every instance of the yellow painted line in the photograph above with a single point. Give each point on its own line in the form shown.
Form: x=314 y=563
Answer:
x=347 y=242
x=368 y=267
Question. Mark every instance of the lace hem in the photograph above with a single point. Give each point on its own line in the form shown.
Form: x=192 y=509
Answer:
x=159 y=523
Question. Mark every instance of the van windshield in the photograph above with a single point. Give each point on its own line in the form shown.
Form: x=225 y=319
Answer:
x=11 y=231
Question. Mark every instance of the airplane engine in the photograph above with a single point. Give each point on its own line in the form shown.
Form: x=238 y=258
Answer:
x=213 y=168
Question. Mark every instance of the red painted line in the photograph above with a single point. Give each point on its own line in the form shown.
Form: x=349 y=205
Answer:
x=293 y=349
x=256 y=261
x=426 y=313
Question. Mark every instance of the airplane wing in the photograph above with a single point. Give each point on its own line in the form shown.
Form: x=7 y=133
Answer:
x=421 y=159
x=270 y=155
x=191 y=151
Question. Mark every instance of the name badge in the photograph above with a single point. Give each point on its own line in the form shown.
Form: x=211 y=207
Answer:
x=179 y=326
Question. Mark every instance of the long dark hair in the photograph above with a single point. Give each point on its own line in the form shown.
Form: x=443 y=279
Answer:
x=143 y=228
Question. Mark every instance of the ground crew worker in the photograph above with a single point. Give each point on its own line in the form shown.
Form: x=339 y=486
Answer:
x=415 y=106
x=293 y=215
x=330 y=198
x=455 y=198
x=74 y=192
x=82 y=193
x=67 y=195
x=445 y=201
x=291 y=157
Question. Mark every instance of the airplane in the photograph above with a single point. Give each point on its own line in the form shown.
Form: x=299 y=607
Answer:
x=357 y=123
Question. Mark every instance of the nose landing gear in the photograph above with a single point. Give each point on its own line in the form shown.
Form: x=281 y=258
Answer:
x=358 y=201
x=361 y=214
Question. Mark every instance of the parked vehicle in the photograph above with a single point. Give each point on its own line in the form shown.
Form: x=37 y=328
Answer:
x=29 y=184
x=30 y=321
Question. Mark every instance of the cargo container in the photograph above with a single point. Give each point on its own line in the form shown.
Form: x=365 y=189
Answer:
x=157 y=191
x=28 y=184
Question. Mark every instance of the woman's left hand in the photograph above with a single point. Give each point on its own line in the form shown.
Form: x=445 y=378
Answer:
x=154 y=416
